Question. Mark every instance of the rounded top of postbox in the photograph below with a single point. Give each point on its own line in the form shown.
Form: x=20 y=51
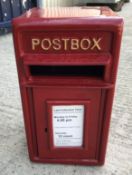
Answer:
x=69 y=12
x=69 y=16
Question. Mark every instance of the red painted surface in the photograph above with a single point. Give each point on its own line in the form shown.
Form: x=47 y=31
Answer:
x=56 y=77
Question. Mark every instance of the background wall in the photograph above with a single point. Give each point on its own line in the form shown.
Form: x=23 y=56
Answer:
x=50 y=3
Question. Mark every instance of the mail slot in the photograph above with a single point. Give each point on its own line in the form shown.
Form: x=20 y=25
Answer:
x=67 y=61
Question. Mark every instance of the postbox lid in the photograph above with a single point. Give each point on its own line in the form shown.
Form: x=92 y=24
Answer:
x=69 y=12
x=64 y=16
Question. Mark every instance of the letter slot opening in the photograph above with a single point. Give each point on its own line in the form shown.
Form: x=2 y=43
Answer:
x=89 y=71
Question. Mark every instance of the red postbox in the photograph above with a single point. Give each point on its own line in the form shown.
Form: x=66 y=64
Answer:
x=67 y=62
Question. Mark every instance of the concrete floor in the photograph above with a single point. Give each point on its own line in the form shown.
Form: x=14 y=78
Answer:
x=13 y=150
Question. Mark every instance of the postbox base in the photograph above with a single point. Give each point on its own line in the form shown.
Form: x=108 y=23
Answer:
x=84 y=162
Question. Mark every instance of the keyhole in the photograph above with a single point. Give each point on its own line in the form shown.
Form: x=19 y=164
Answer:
x=46 y=130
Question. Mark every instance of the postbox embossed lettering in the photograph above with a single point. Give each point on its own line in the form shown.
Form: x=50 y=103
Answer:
x=66 y=43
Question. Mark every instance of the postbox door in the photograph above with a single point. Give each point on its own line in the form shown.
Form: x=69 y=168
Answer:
x=67 y=121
